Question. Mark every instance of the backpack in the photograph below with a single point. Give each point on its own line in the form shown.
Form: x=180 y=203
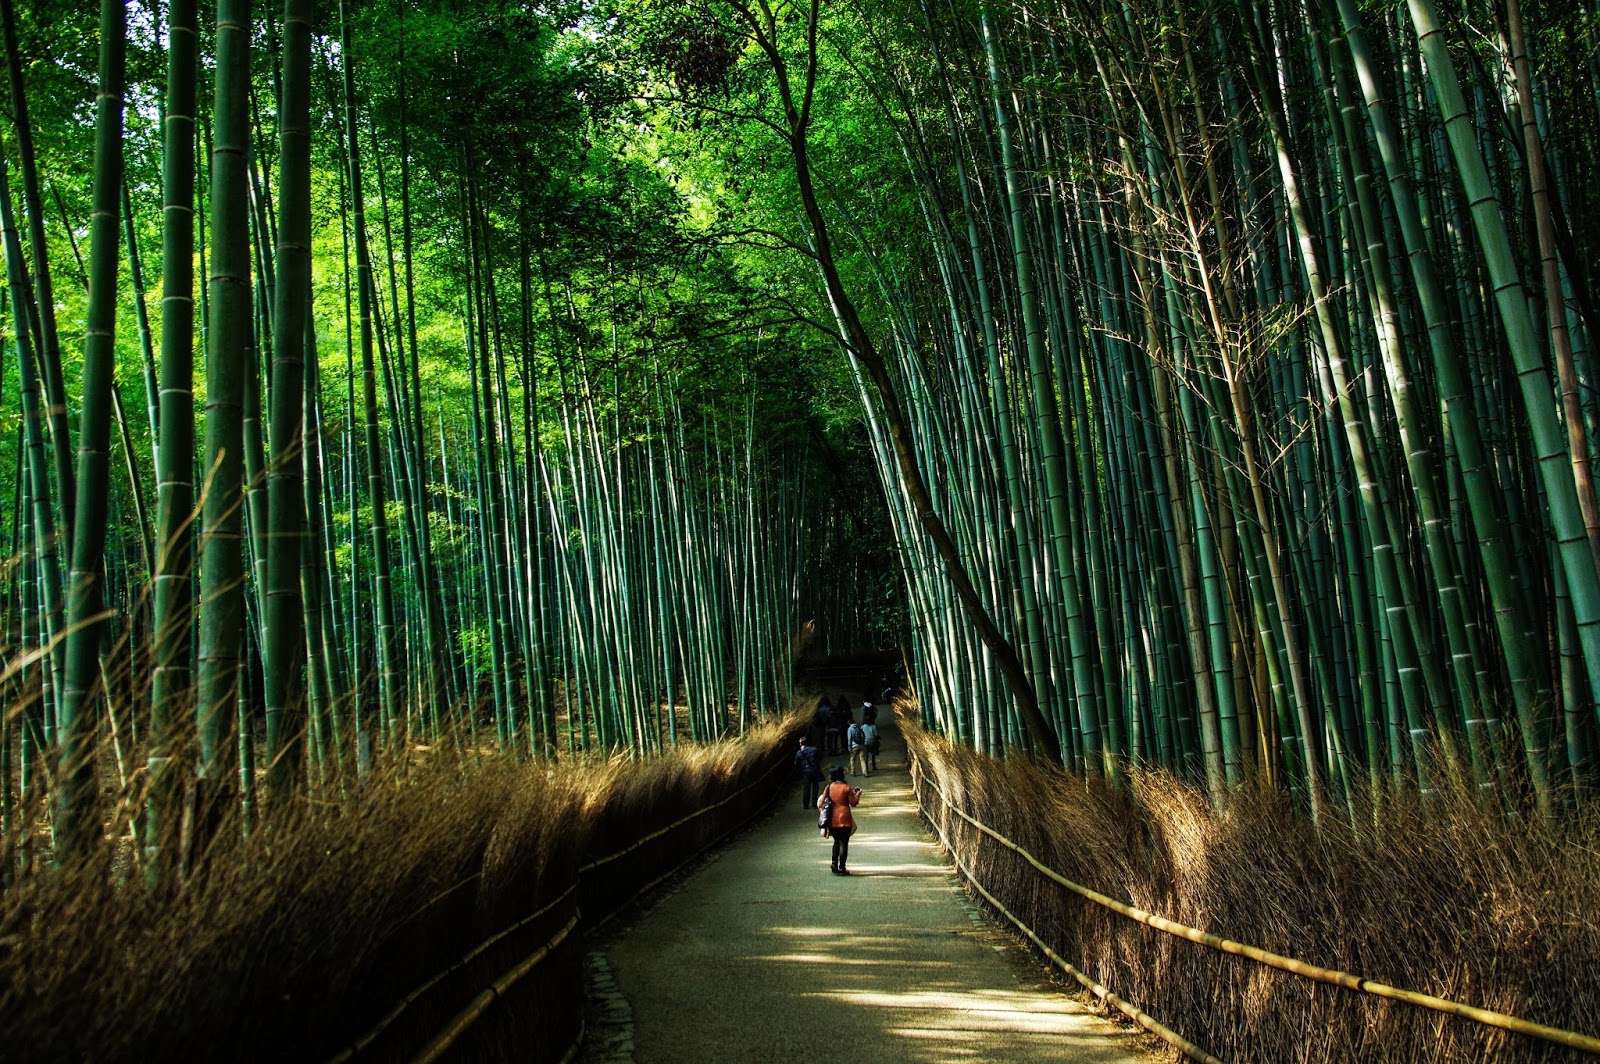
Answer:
x=857 y=736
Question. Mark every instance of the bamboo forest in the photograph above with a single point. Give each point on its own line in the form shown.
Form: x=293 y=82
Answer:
x=468 y=468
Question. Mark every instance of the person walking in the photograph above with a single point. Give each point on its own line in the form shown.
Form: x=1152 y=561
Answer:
x=874 y=744
x=824 y=714
x=841 y=823
x=834 y=728
x=809 y=761
x=857 y=737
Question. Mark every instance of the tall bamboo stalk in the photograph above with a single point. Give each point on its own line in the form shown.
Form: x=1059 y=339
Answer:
x=77 y=791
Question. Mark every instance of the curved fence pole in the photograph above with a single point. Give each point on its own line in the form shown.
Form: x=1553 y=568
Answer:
x=1099 y=989
x=479 y=1005
x=1332 y=976
x=608 y=858
x=463 y=1020
x=360 y=1044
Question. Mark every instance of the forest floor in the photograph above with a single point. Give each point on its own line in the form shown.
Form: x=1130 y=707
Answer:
x=762 y=955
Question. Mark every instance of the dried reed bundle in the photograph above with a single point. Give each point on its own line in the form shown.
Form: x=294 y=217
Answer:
x=293 y=941
x=1446 y=897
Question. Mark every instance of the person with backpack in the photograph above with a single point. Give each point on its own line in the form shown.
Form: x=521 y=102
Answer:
x=836 y=819
x=809 y=762
x=857 y=738
x=870 y=731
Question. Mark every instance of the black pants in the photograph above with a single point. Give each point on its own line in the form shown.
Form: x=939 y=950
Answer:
x=835 y=741
x=809 y=788
x=841 y=846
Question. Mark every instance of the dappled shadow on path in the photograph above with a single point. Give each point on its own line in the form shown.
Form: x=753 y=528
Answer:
x=764 y=956
x=926 y=1000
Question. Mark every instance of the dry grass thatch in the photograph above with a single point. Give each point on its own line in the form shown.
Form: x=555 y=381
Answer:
x=295 y=941
x=1448 y=898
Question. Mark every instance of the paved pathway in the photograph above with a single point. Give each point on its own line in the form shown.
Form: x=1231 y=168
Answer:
x=762 y=955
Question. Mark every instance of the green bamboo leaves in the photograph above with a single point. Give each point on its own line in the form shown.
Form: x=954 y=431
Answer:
x=1202 y=357
x=1272 y=540
x=578 y=523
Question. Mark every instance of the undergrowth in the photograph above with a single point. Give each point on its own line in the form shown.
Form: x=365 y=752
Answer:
x=1445 y=896
x=292 y=941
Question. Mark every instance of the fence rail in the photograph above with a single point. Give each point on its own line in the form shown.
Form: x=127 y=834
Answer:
x=1331 y=976
x=463 y=1021
x=1099 y=989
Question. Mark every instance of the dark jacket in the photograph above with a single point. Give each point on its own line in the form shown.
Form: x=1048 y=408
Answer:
x=809 y=762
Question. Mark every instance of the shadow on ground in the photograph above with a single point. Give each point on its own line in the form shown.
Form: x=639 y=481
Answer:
x=764 y=956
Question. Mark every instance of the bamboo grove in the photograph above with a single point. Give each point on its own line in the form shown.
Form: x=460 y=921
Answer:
x=1226 y=370
x=406 y=418
x=1229 y=368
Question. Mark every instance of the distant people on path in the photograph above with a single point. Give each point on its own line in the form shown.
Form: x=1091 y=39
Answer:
x=824 y=711
x=809 y=761
x=857 y=737
x=870 y=731
x=837 y=799
x=869 y=713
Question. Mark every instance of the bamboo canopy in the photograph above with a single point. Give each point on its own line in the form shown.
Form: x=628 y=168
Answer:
x=1205 y=386
x=1248 y=383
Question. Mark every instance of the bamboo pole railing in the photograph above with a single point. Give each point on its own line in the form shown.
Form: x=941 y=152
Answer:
x=464 y=1019
x=1332 y=976
x=1099 y=989
x=458 y=1025
x=782 y=762
x=359 y=1045
x=702 y=811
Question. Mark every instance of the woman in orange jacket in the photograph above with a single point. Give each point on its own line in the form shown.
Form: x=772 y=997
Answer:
x=841 y=825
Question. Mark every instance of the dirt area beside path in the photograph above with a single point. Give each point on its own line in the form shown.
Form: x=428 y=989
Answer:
x=763 y=955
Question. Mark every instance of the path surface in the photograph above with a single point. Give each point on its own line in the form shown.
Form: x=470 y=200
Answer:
x=763 y=955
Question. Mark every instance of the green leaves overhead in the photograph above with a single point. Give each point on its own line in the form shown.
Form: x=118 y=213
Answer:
x=589 y=483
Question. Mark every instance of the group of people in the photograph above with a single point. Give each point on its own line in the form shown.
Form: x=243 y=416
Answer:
x=841 y=733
